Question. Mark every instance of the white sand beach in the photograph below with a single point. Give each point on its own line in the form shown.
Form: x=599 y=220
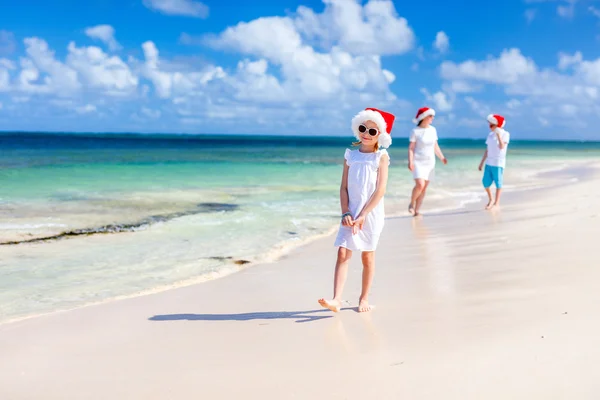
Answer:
x=469 y=305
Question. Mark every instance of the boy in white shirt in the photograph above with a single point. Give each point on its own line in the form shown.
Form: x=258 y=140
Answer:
x=495 y=158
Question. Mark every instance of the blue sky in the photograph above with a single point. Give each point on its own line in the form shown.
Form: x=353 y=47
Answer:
x=289 y=67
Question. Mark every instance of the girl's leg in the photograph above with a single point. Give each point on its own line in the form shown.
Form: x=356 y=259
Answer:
x=416 y=192
x=421 y=198
x=368 y=260
x=339 y=279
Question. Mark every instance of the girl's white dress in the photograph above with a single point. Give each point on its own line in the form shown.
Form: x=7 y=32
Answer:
x=362 y=182
x=424 y=161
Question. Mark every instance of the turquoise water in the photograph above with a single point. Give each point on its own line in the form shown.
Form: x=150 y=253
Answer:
x=86 y=219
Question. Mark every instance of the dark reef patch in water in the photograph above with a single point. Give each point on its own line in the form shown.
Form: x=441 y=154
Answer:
x=202 y=208
x=237 y=262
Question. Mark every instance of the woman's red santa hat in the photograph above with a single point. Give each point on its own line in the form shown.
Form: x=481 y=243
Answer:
x=383 y=120
x=497 y=120
x=423 y=113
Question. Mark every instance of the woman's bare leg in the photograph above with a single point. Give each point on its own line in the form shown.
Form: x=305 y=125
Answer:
x=421 y=198
x=416 y=192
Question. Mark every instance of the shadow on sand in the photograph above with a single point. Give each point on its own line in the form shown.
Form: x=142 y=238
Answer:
x=299 y=316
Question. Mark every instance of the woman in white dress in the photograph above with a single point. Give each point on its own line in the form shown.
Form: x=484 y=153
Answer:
x=421 y=156
x=364 y=181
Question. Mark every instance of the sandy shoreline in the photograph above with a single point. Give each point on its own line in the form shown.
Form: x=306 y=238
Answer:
x=470 y=305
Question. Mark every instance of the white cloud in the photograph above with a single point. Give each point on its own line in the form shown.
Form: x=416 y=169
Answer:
x=479 y=108
x=594 y=11
x=566 y=60
x=508 y=68
x=574 y=84
x=99 y=70
x=293 y=70
x=88 y=108
x=372 y=29
x=85 y=69
x=350 y=70
x=462 y=87
x=5 y=66
x=42 y=73
x=389 y=76
x=568 y=110
x=520 y=75
x=530 y=14
x=104 y=33
x=513 y=104
x=590 y=72
x=188 y=8
x=442 y=42
x=567 y=11
x=167 y=81
x=6 y=63
x=275 y=38
x=566 y=8
x=441 y=100
x=187 y=39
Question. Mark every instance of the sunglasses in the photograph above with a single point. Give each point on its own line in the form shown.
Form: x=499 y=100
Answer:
x=372 y=131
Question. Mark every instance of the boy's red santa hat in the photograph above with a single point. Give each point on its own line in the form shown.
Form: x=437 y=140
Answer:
x=383 y=120
x=497 y=120
x=423 y=113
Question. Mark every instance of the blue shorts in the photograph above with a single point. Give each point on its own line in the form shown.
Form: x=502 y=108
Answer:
x=491 y=175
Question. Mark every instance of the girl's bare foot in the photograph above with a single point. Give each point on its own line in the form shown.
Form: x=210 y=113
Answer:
x=489 y=205
x=411 y=209
x=363 y=306
x=333 y=305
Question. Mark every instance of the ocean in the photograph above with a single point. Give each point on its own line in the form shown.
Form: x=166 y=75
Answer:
x=86 y=218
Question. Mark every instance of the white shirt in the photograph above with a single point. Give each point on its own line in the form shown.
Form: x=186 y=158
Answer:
x=496 y=157
x=425 y=139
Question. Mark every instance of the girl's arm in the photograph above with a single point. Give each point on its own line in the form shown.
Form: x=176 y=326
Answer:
x=411 y=155
x=483 y=160
x=438 y=152
x=382 y=178
x=344 y=202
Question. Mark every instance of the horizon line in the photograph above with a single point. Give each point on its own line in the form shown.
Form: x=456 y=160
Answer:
x=269 y=135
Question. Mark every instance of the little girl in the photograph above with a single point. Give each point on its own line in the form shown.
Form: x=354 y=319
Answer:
x=364 y=182
x=421 y=156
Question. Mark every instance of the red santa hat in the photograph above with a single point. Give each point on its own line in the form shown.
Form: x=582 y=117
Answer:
x=423 y=113
x=383 y=120
x=496 y=119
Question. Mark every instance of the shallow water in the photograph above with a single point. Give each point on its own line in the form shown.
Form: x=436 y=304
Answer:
x=85 y=219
